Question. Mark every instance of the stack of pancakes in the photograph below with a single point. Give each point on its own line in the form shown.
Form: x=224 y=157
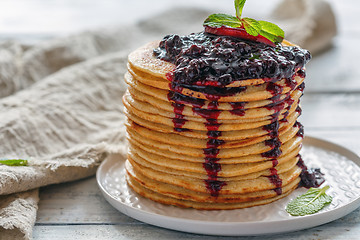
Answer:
x=205 y=149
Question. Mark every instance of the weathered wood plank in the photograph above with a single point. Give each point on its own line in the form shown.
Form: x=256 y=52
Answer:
x=335 y=230
x=77 y=202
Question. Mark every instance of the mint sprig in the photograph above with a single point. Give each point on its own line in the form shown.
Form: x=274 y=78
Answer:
x=219 y=20
x=239 y=5
x=14 y=162
x=271 y=31
x=252 y=27
x=311 y=202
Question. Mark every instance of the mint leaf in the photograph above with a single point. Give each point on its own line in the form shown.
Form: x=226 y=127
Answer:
x=251 y=26
x=219 y=20
x=14 y=162
x=239 y=5
x=309 y=203
x=271 y=31
x=246 y=28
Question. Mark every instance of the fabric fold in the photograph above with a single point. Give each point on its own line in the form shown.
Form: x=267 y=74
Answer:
x=66 y=120
x=18 y=214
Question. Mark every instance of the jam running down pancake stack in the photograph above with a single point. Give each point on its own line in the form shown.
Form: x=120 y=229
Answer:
x=212 y=121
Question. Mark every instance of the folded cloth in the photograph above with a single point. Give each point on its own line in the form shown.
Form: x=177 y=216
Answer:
x=17 y=214
x=68 y=117
x=65 y=125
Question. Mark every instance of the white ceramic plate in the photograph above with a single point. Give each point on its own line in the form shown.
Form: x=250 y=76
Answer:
x=342 y=173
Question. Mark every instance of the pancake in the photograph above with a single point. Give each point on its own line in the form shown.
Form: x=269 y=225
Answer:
x=159 y=97
x=144 y=60
x=199 y=205
x=231 y=187
x=226 y=135
x=179 y=140
x=285 y=147
x=165 y=102
x=251 y=162
x=132 y=112
x=252 y=93
x=228 y=172
x=196 y=114
x=206 y=133
x=148 y=79
x=186 y=194
x=256 y=148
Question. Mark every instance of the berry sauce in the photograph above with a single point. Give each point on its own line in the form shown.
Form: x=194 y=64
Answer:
x=204 y=59
x=206 y=64
x=211 y=114
x=212 y=151
x=300 y=133
x=179 y=119
x=275 y=179
x=312 y=177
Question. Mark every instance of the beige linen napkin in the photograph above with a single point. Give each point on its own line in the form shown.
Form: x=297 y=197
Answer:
x=61 y=108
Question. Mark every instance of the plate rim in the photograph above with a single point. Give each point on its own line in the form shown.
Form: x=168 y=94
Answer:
x=320 y=217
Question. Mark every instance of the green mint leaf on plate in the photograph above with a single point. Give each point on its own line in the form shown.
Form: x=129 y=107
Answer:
x=311 y=202
x=251 y=26
x=219 y=20
x=239 y=5
x=14 y=162
x=271 y=31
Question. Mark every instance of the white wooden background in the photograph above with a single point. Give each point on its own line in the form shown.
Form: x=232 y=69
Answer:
x=331 y=110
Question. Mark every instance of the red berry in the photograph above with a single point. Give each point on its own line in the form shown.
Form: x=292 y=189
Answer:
x=239 y=33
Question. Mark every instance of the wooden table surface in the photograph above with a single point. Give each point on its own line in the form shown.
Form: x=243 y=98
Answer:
x=331 y=110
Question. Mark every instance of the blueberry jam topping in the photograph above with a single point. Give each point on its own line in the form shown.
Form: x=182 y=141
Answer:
x=312 y=177
x=274 y=89
x=239 y=112
x=207 y=113
x=214 y=143
x=211 y=152
x=213 y=134
x=272 y=129
x=209 y=60
x=273 y=153
x=273 y=143
x=300 y=132
x=237 y=105
x=301 y=87
x=214 y=186
x=179 y=119
x=224 y=91
x=212 y=167
x=275 y=180
x=182 y=129
x=182 y=99
x=206 y=64
x=275 y=162
x=277 y=106
x=291 y=83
